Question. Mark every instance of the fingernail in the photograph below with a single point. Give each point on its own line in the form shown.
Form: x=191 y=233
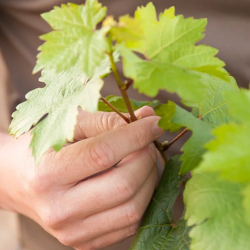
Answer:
x=157 y=131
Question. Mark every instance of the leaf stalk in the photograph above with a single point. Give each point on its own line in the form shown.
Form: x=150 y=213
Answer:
x=167 y=146
x=115 y=110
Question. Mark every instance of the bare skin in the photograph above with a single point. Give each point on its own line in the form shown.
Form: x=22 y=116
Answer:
x=99 y=211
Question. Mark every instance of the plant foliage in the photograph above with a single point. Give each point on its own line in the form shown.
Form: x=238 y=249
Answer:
x=158 y=52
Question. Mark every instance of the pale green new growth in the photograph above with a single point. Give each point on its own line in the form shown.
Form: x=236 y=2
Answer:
x=175 y=118
x=246 y=203
x=214 y=208
x=194 y=147
x=75 y=40
x=228 y=154
x=167 y=111
x=213 y=108
x=60 y=98
x=126 y=31
x=172 y=61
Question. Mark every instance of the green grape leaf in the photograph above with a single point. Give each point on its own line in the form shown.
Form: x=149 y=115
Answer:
x=214 y=209
x=194 y=148
x=214 y=107
x=119 y=104
x=239 y=103
x=167 y=111
x=60 y=98
x=246 y=202
x=127 y=30
x=172 y=61
x=158 y=230
x=175 y=118
x=228 y=154
x=74 y=40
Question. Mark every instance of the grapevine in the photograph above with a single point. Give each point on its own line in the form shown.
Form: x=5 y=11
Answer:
x=157 y=53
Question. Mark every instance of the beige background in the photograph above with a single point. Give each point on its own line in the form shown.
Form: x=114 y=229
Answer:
x=228 y=30
x=8 y=231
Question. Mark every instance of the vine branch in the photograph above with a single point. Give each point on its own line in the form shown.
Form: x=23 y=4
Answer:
x=167 y=146
x=122 y=87
x=115 y=110
x=128 y=84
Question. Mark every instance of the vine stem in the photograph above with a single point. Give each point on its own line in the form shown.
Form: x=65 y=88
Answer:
x=167 y=146
x=115 y=110
x=123 y=89
x=157 y=144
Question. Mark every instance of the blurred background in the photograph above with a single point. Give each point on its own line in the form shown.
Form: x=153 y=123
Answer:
x=20 y=25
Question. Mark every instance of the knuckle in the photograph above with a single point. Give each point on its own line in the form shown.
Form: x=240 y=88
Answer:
x=134 y=214
x=109 y=121
x=112 y=120
x=52 y=218
x=66 y=239
x=101 y=121
x=102 y=155
x=38 y=183
x=101 y=243
x=49 y=218
x=96 y=244
x=132 y=230
x=125 y=188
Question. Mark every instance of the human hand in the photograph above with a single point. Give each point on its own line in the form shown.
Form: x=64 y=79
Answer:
x=89 y=214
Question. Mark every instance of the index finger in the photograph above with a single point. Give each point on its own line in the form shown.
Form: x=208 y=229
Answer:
x=93 y=155
x=92 y=124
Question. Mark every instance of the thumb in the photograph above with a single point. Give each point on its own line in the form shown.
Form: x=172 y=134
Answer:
x=92 y=124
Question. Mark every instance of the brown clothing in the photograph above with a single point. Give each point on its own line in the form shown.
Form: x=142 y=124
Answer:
x=21 y=24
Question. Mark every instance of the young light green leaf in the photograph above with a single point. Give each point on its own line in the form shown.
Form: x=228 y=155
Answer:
x=60 y=98
x=213 y=108
x=88 y=15
x=194 y=147
x=214 y=209
x=127 y=30
x=246 y=202
x=166 y=112
x=119 y=104
x=239 y=103
x=228 y=154
x=172 y=61
x=74 y=42
x=158 y=230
